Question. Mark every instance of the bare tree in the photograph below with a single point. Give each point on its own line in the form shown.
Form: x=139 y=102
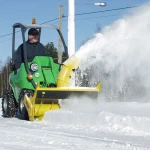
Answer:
x=5 y=70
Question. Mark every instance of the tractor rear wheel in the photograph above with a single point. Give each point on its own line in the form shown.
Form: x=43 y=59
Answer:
x=8 y=105
x=23 y=114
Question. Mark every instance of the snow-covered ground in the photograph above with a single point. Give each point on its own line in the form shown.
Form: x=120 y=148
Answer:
x=115 y=126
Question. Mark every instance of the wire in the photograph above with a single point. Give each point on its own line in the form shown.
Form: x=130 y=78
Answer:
x=19 y=31
x=9 y=38
x=5 y=35
x=81 y=14
x=107 y=10
x=8 y=34
x=49 y=21
x=98 y=17
x=101 y=11
x=76 y=20
x=5 y=40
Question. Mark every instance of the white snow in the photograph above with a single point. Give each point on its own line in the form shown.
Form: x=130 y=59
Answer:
x=115 y=126
x=118 y=57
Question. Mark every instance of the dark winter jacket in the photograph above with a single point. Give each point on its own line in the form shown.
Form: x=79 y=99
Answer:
x=36 y=49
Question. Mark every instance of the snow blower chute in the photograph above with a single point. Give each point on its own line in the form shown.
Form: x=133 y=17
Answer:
x=36 y=91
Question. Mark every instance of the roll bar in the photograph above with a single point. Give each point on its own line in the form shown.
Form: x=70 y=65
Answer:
x=23 y=28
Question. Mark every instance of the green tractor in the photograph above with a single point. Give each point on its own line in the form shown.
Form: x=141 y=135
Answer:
x=38 y=86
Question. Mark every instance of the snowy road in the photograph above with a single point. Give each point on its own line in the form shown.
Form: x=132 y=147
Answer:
x=115 y=126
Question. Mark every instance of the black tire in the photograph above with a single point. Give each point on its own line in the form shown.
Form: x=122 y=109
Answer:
x=22 y=111
x=8 y=105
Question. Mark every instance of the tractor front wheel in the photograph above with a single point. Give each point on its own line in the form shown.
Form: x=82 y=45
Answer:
x=8 y=105
x=23 y=114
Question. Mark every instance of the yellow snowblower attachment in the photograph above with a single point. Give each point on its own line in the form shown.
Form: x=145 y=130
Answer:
x=45 y=99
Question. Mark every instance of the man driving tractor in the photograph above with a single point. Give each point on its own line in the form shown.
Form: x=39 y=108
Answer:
x=40 y=82
x=33 y=46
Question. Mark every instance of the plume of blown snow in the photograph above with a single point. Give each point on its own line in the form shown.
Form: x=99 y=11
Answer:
x=119 y=57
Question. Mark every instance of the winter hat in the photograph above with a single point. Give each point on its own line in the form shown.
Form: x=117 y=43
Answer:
x=33 y=31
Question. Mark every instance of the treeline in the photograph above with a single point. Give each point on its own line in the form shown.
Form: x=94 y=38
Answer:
x=6 y=67
x=5 y=70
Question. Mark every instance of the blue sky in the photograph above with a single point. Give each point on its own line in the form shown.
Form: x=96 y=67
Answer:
x=13 y=11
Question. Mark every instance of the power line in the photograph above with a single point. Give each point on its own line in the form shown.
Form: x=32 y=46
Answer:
x=81 y=14
x=19 y=31
x=5 y=35
x=77 y=20
x=8 y=39
x=5 y=40
x=49 y=21
x=8 y=34
x=107 y=10
x=96 y=17
x=101 y=11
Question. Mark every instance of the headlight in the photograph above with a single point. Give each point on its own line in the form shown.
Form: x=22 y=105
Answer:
x=37 y=74
x=34 y=67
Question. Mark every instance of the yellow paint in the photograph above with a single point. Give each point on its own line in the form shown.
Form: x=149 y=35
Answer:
x=66 y=70
x=71 y=89
x=36 y=111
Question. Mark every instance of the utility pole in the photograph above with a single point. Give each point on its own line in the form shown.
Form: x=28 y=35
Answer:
x=71 y=27
x=59 y=39
x=71 y=33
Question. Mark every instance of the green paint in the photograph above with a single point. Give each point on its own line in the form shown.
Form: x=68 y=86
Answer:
x=48 y=73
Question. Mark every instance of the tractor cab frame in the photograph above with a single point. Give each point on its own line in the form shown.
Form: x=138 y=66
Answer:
x=24 y=28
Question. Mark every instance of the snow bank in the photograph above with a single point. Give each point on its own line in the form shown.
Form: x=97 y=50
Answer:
x=120 y=118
